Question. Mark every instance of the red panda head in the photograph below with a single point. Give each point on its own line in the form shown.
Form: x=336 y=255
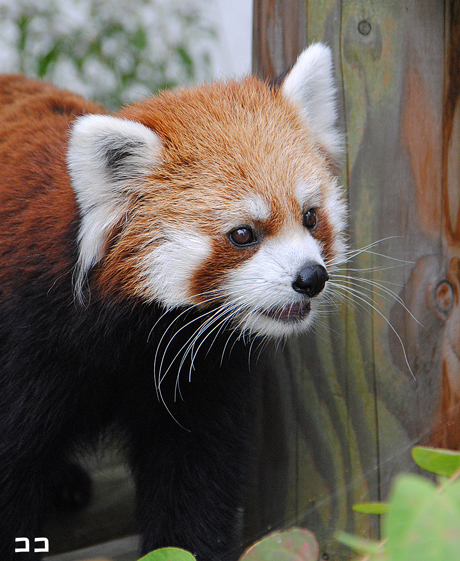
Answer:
x=220 y=197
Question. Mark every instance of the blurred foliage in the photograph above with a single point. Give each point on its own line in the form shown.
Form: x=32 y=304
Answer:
x=111 y=51
x=295 y=544
x=421 y=520
x=168 y=554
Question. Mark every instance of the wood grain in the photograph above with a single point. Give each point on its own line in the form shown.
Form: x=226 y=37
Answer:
x=345 y=405
x=279 y=34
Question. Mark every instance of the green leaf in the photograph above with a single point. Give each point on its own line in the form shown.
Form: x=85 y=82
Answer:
x=139 y=39
x=371 y=508
x=437 y=460
x=168 y=554
x=186 y=60
x=45 y=61
x=295 y=544
x=452 y=488
x=423 y=522
x=23 y=24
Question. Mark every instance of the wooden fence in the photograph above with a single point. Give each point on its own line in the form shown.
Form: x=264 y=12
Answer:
x=341 y=408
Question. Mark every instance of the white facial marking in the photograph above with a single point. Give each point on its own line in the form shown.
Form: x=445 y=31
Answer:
x=247 y=210
x=167 y=271
x=258 y=208
x=308 y=193
x=265 y=282
x=336 y=209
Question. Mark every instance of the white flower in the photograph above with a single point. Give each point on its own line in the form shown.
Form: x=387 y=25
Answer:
x=67 y=75
x=99 y=75
x=103 y=48
x=70 y=17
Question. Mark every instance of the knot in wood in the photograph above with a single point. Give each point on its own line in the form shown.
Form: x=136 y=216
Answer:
x=444 y=297
x=364 y=27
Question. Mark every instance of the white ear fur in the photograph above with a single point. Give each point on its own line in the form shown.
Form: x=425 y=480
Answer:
x=310 y=85
x=105 y=157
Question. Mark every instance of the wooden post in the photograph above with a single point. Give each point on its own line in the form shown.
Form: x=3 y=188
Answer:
x=279 y=34
x=343 y=406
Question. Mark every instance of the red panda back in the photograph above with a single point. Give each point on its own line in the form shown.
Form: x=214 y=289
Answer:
x=37 y=204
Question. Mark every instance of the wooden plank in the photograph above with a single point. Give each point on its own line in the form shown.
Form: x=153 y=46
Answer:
x=411 y=182
x=348 y=394
x=125 y=549
x=444 y=300
x=279 y=34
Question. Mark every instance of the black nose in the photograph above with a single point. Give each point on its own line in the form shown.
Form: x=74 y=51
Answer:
x=310 y=279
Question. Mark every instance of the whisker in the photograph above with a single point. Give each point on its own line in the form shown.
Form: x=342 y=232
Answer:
x=194 y=353
x=193 y=320
x=390 y=294
x=365 y=299
x=191 y=341
x=236 y=308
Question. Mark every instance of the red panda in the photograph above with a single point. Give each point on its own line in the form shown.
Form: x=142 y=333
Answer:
x=141 y=253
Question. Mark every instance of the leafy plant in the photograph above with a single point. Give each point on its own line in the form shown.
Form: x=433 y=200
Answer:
x=421 y=520
x=103 y=49
x=295 y=544
x=168 y=554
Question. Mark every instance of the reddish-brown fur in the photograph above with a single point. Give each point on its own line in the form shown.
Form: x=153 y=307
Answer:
x=34 y=220
x=239 y=131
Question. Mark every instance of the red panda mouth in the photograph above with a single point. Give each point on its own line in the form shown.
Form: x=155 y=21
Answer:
x=289 y=313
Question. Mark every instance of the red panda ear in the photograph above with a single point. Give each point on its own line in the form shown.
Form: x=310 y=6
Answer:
x=105 y=157
x=310 y=85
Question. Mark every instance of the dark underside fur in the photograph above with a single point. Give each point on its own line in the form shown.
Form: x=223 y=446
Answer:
x=68 y=374
x=70 y=371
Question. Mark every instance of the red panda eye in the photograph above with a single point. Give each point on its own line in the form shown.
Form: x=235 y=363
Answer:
x=242 y=236
x=310 y=219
